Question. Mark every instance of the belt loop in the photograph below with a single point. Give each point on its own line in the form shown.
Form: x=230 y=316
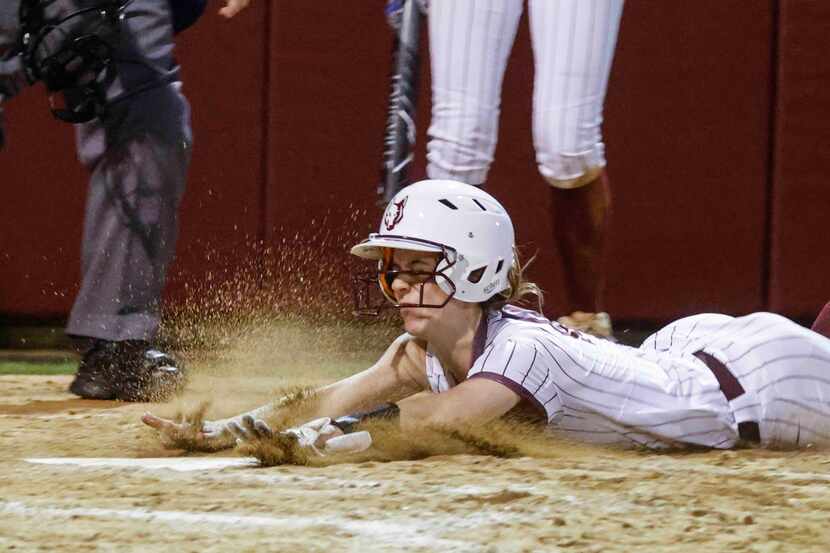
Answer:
x=749 y=432
x=748 y=429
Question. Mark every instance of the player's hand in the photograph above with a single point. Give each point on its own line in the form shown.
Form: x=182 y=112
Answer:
x=394 y=11
x=249 y=429
x=203 y=436
x=319 y=435
x=323 y=437
x=233 y=7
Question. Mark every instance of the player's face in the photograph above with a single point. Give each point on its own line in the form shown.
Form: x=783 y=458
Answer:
x=413 y=284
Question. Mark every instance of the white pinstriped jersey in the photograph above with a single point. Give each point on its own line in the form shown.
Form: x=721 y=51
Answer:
x=660 y=394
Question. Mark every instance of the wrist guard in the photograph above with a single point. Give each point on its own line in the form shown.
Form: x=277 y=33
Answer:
x=386 y=411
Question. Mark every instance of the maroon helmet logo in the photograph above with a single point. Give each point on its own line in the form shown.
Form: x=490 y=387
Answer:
x=394 y=214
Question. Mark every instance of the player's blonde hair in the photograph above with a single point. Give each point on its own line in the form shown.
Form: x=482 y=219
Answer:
x=518 y=287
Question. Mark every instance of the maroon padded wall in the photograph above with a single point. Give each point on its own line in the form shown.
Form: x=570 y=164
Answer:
x=687 y=137
x=327 y=108
x=289 y=106
x=329 y=65
x=42 y=195
x=687 y=127
x=225 y=78
x=800 y=263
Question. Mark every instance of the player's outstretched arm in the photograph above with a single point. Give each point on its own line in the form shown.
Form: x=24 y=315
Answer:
x=474 y=401
x=397 y=374
x=233 y=7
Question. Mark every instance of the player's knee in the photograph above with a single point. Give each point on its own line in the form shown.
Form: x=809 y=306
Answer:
x=572 y=179
x=571 y=169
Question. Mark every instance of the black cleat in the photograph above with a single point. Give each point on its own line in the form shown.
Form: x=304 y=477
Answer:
x=129 y=370
x=91 y=380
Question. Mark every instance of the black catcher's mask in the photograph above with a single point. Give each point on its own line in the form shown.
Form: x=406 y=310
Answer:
x=69 y=44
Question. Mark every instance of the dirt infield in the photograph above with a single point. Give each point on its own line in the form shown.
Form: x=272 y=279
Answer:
x=577 y=498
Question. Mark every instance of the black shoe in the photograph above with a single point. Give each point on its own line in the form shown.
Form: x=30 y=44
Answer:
x=93 y=380
x=129 y=370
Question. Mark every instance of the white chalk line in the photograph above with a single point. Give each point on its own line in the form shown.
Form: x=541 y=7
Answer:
x=54 y=416
x=207 y=467
x=210 y=467
x=393 y=533
x=180 y=464
x=418 y=530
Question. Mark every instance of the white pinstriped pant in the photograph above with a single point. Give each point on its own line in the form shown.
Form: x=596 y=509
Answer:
x=573 y=47
x=783 y=367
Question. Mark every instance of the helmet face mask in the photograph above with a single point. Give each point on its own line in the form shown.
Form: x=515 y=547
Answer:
x=467 y=228
x=383 y=278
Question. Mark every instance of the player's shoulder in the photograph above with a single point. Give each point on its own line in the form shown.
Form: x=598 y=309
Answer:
x=516 y=325
x=514 y=318
x=520 y=314
x=530 y=332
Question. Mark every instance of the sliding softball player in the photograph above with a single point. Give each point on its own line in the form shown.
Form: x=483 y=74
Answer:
x=445 y=259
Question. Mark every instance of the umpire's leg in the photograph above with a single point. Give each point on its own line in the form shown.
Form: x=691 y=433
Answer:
x=138 y=152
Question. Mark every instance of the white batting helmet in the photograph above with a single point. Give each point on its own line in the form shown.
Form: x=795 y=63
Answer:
x=469 y=227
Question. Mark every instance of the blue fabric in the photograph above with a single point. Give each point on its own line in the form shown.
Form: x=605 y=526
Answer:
x=186 y=12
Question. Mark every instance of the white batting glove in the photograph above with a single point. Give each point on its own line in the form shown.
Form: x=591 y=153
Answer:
x=319 y=435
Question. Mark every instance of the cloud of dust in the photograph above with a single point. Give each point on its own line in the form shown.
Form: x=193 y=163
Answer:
x=281 y=318
x=304 y=284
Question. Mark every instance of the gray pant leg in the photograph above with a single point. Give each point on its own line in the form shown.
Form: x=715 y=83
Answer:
x=9 y=23
x=139 y=154
x=12 y=78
